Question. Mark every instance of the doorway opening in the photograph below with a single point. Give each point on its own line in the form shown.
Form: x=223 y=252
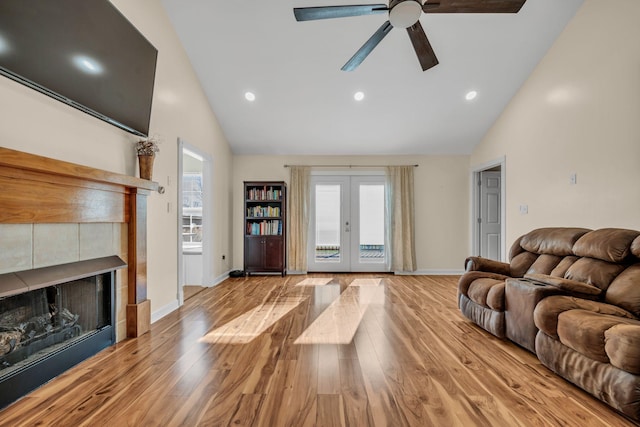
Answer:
x=347 y=224
x=194 y=230
x=488 y=216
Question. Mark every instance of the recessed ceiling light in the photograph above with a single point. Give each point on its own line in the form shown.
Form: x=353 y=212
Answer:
x=358 y=96
x=4 y=45
x=250 y=96
x=471 y=95
x=87 y=64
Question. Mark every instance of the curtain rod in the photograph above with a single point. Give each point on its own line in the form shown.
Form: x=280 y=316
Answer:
x=348 y=166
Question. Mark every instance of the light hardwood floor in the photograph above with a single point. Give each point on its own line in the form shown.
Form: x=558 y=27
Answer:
x=262 y=351
x=191 y=290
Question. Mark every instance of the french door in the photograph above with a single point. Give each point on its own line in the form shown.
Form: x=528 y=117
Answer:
x=347 y=224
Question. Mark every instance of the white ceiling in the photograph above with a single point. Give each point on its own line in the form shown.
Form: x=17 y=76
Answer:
x=304 y=103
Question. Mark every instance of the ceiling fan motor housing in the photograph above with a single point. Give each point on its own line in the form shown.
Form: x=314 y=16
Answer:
x=404 y=13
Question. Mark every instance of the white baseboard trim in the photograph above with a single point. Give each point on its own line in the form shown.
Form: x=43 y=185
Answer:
x=409 y=273
x=221 y=278
x=430 y=273
x=163 y=311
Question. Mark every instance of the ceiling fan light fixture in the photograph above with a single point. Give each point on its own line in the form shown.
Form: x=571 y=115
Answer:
x=405 y=14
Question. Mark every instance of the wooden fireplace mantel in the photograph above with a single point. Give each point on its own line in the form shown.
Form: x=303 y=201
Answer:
x=36 y=189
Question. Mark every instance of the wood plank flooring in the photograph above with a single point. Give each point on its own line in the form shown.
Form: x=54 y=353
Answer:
x=191 y=290
x=413 y=360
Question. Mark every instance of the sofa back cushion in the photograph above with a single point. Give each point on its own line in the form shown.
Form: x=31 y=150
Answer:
x=635 y=247
x=543 y=250
x=544 y=264
x=624 y=291
x=521 y=263
x=561 y=269
x=552 y=241
x=607 y=244
x=594 y=272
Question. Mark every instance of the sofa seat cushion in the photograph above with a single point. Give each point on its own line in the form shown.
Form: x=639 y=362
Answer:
x=621 y=344
x=584 y=332
x=547 y=311
x=487 y=292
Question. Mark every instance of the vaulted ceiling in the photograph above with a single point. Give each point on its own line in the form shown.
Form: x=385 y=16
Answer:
x=304 y=103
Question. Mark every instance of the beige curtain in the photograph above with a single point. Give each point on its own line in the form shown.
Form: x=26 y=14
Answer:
x=400 y=211
x=299 y=196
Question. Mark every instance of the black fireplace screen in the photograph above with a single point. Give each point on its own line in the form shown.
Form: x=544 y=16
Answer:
x=36 y=323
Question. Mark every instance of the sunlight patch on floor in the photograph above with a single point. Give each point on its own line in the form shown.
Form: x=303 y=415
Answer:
x=338 y=323
x=366 y=282
x=251 y=324
x=315 y=281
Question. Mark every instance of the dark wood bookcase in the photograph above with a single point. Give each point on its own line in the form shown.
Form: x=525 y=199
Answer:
x=265 y=227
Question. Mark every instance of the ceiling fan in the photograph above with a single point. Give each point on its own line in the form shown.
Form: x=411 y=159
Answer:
x=405 y=14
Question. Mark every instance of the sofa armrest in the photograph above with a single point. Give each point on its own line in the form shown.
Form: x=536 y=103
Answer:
x=475 y=263
x=470 y=276
x=572 y=287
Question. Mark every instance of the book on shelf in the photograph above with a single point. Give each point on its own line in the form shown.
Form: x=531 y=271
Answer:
x=264 y=193
x=265 y=228
x=263 y=211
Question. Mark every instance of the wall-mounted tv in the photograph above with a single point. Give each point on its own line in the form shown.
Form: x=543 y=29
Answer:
x=84 y=53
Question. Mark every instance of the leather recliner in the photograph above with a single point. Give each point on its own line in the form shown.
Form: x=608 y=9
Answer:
x=586 y=323
x=481 y=290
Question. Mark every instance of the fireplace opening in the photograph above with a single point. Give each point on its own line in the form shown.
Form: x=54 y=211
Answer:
x=51 y=319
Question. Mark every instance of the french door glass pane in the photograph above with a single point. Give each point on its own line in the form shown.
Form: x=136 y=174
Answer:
x=371 y=245
x=328 y=223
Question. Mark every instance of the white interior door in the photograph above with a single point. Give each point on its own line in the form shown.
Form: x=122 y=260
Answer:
x=490 y=221
x=347 y=224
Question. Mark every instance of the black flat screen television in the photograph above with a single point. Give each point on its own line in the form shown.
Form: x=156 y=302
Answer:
x=84 y=53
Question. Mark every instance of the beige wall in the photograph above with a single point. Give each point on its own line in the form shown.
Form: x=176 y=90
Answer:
x=579 y=112
x=441 y=201
x=35 y=123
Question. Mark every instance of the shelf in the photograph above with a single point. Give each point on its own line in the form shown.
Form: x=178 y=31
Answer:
x=260 y=218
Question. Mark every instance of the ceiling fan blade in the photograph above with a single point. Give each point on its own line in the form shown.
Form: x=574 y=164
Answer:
x=328 y=12
x=366 y=48
x=472 y=6
x=421 y=45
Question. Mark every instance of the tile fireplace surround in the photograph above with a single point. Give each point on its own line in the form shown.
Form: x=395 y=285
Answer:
x=30 y=246
x=54 y=212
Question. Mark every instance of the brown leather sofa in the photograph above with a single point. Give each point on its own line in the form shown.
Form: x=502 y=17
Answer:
x=572 y=296
x=481 y=290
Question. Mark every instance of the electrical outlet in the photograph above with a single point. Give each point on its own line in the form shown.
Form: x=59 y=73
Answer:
x=573 y=178
x=524 y=209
